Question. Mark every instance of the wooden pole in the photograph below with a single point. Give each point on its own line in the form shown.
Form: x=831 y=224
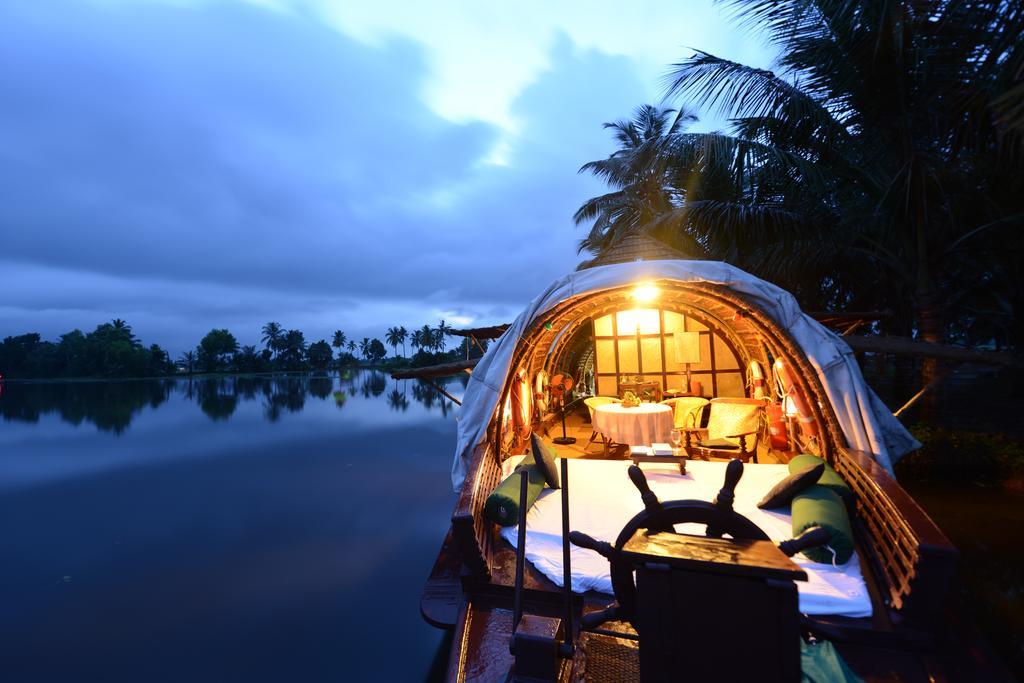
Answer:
x=905 y=346
x=442 y=370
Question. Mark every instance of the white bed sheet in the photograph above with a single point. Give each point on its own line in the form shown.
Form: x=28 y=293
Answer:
x=602 y=499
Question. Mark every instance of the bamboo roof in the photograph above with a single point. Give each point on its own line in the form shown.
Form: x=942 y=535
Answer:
x=635 y=246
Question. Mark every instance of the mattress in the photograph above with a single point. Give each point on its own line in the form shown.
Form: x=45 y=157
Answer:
x=602 y=499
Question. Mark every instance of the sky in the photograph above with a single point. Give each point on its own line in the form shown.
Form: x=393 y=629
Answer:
x=196 y=164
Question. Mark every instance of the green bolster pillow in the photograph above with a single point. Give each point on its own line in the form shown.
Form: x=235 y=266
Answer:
x=820 y=506
x=502 y=506
x=829 y=478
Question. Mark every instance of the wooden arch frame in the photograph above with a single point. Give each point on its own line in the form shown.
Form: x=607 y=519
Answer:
x=750 y=331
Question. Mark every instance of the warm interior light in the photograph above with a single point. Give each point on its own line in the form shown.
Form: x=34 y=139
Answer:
x=638 y=320
x=645 y=292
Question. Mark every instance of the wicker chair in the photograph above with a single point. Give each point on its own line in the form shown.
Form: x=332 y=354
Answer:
x=687 y=411
x=592 y=403
x=731 y=421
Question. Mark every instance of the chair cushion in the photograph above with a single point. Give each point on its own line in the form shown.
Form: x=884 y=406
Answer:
x=821 y=506
x=829 y=478
x=728 y=417
x=502 y=506
x=783 y=493
x=719 y=444
x=686 y=410
x=544 y=455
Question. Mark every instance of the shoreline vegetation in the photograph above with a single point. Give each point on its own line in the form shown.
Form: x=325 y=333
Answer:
x=112 y=351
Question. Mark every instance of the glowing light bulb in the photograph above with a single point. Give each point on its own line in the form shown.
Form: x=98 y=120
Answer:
x=646 y=292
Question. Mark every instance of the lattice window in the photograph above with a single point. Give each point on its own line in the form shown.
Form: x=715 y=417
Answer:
x=641 y=342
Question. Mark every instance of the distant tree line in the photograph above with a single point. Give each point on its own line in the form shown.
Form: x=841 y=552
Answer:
x=112 y=350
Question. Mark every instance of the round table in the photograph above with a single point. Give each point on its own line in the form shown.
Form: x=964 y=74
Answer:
x=643 y=425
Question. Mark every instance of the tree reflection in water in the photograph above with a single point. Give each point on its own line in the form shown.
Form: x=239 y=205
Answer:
x=108 y=405
x=112 y=405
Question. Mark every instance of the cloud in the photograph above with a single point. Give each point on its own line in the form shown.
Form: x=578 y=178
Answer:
x=192 y=165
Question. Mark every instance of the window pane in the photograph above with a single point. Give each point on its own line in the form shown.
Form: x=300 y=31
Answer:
x=705 y=354
x=605 y=356
x=673 y=322
x=730 y=384
x=646 y=318
x=693 y=325
x=724 y=358
x=651 y=350
x=607 y=386
x=603 y=326
x=628 y=356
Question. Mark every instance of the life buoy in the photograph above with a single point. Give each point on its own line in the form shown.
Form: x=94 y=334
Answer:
x=778 y=436
x=540 y=392
x=755 y=377
x=788 y=388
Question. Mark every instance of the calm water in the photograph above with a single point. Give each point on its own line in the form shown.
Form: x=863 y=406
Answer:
x=232 y=529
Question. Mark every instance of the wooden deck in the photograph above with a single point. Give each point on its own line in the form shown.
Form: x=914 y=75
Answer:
x=479 y=613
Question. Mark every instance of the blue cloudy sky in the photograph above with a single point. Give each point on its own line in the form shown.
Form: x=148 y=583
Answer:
x=189 y=164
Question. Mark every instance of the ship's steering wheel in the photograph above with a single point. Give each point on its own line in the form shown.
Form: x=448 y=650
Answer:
x=718 y=517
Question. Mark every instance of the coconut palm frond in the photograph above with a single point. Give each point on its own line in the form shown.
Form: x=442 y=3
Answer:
x=735 y=89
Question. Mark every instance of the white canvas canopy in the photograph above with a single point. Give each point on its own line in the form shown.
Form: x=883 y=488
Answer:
x=867 y=423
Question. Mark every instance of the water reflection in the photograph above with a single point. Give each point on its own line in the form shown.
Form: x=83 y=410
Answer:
x=112 y=405
x=252 y=527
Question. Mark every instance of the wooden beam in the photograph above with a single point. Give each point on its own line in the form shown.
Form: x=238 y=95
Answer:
x=904 y=346
x=442 y=370
x=847 y=316
x=492 y=332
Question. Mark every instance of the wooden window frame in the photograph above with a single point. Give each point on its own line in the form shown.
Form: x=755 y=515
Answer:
x=711 y=331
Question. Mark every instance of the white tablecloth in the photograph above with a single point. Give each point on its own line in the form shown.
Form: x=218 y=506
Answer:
x=643 y=425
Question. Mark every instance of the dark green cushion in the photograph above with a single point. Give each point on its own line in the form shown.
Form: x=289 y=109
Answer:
x=820 y=506
x=502 y=506
x=719 y=444
x=829 y=478
x=544 y=455
x=783 y=493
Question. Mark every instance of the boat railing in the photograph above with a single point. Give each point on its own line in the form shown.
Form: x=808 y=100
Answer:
x=909 y=552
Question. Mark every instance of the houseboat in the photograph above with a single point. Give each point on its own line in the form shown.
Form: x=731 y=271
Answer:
x=620 y=560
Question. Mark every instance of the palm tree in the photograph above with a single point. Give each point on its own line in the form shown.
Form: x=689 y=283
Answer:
x=886 y=139
x=351 y=346
x=364 y=348
x=122 y=331
x=394 y=337
x=293 y=348
x=416 y=339
x=639 y=173
x=442 y=331
x=864 y=172
x=273 y=333
x=339 y=339
x=403 y=333
x=428 y=338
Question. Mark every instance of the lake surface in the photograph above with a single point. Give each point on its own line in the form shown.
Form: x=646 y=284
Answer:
x=251 y=528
